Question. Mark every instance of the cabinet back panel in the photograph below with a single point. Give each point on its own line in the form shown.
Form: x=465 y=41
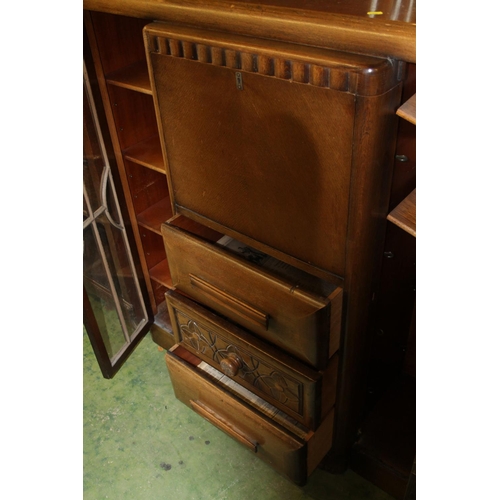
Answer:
x=134 y=115
x=147 y=187
x=119 y=39
x=153 y=247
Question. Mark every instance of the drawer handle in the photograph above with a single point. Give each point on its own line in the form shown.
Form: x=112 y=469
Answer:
x=217 y=420
x=231 y=365
x=229 y=302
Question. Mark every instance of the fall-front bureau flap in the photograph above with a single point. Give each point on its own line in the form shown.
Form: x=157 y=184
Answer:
x=258 y=137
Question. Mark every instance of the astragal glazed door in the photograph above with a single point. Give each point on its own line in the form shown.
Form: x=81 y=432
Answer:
x=116 y=315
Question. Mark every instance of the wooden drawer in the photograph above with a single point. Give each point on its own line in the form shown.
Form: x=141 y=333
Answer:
x=303 y=393
x=285 y=306
x=287 y=446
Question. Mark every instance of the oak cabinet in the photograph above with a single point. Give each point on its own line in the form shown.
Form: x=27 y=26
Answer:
x=257 y=175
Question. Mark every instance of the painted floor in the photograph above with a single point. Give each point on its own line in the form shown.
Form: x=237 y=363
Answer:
x=142 y=443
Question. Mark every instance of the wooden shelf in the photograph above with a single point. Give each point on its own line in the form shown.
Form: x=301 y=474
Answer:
x=133 y=77
x=408 y=110
x=152 y=217
x=161 y=274
x=405 y=214
x=147 y=153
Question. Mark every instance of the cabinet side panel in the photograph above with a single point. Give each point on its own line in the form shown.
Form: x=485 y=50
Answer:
x=375 y=132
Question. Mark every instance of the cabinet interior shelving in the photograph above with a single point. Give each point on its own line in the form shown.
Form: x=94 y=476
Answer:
x=118 y=51
x=405 y=214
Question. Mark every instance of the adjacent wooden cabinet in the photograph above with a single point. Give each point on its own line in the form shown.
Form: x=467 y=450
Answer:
x=258 y=175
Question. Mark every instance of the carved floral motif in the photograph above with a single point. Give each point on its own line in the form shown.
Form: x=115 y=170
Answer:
x=253 y=371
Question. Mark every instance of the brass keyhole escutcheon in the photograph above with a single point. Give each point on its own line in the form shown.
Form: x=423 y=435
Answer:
x=231 y=365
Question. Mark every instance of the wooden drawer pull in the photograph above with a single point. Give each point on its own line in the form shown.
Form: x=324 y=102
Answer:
x=228 y=301
x=224 y=426
x=231 y=365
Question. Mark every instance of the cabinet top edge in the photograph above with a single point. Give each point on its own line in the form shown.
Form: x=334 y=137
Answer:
x=345 y=26
x=349 y=61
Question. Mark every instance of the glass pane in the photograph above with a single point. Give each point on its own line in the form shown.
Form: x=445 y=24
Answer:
x=110 y=278
x=100 y=294
x=121 y=268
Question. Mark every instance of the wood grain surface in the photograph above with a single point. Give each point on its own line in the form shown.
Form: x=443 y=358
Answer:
x=347 y=26
x=405 y=214
x=300 y=320
x=408 y=110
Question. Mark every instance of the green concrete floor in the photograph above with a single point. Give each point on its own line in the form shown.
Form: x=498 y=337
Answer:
x=141 y=443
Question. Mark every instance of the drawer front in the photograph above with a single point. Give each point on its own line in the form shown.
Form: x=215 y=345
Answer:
x=304 y=324
x=301 y=392
x=293 y=454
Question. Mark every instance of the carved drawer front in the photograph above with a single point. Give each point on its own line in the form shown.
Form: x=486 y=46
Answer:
x=303 y=393
x=259 y=137
x=287 y=307
x=286 y=445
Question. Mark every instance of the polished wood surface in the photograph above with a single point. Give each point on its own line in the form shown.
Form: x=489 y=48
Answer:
x=228 y=427
x=370 y=194
x=193 y=227
x=343 y=25
x=134 y=113
x=154 y=215
x=313 y=206
x=404 y=175
x=147 y=153
x=299 y=320
x=133 y=77
x=290 y=151
x=161 y=273
x=315 y=66
x=408 y=110
x=405 y=214
x=116 y=41
x=147 y=186
x=240 y=307
x=274 y=444
x=380 y=10
x=301 y=392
